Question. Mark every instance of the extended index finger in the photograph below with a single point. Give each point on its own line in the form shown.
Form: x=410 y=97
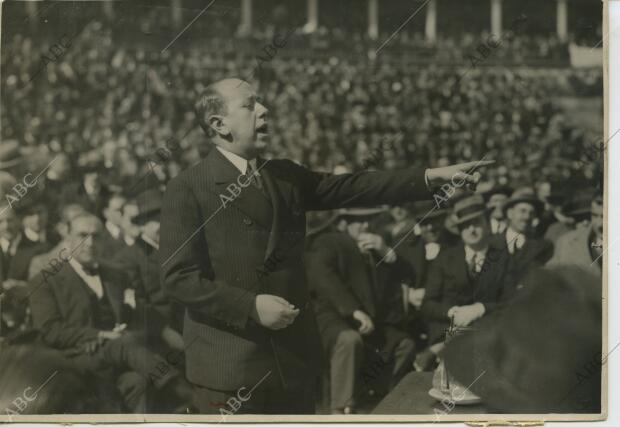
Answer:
x=471 y=166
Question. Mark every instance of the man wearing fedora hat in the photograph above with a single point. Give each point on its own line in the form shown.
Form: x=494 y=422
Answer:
x=519 y=241
x=466 y=281
x=358 y=302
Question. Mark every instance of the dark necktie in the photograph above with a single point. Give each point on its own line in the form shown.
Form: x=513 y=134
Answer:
x=253 y=176
x=91 y=270
x=472 y=266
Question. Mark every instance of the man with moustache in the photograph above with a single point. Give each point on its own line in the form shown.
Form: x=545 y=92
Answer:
x=222 y=220
x=466 y=281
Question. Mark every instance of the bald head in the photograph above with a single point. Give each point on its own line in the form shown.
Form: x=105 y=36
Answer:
x=231 y=114
x=213 y=100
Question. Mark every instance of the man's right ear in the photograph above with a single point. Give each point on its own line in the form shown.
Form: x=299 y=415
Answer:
x=216 y=123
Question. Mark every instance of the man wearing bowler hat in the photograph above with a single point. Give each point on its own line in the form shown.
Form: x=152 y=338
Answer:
x=226 y=217
x=466 y=281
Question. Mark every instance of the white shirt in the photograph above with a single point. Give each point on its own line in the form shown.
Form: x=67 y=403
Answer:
x=497 y=226
x=93 y=282
x=514 y=238
x=431 y=250
x=240 y=163
x=480 y=257
x=8 y=246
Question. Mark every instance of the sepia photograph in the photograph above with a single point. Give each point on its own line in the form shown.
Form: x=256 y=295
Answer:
x=303 y=210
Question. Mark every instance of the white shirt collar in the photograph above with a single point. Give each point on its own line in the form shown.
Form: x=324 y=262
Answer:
x=514 y=238
x=114 y=229
x=33 y=235
x=480 y=256
x=93 y=282
x=239 y=162
x=10 y=246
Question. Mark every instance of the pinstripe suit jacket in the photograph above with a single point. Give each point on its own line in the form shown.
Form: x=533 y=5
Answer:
x=218 y=253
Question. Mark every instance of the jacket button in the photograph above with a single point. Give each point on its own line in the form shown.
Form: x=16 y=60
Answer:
x=247 y=221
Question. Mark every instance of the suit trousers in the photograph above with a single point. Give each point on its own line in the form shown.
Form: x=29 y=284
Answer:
x=349 y=376
x=268 y=396
x=128 y=354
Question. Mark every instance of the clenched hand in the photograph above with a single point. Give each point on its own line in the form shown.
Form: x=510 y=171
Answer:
x=273 y=312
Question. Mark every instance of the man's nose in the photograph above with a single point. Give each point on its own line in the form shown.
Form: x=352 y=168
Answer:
x=262 y=110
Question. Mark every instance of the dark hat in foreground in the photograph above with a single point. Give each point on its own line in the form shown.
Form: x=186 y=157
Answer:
x=525 y=195
x=468 y=208
x=579 y=205
x=542 y=353
x=149 y=206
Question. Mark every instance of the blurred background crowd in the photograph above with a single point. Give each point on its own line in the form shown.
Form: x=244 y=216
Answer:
x=97 y=103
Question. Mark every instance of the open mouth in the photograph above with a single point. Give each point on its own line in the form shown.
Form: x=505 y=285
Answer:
x=263 y=129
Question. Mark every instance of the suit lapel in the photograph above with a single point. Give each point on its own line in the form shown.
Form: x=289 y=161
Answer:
x=113 y=292
x=276 y=190
x=249 y=200
x=461 y=273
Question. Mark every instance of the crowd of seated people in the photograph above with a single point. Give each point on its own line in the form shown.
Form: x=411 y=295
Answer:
x=389 y=283
x=108 y=124
x=79 y=277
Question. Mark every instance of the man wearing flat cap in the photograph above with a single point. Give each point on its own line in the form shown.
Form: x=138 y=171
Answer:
x=225 y=219
x=358 y=303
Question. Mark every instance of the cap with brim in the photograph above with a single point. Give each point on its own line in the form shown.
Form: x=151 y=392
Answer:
x=524 y=195
x=497 y=200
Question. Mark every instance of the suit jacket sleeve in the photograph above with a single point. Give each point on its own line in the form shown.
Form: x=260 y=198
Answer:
x=48 y=319
x=183 y=249
x=433 y=307
x=324 y=276
x=323 y=191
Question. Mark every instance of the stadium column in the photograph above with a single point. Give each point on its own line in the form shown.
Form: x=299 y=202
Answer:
x=31 y=11
x=108 y=9
x=373 y=19
x=562 y=20
x=176 y=13
x=430 y=29
x=245 y=27
x=496 y=17
x=313 y=16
